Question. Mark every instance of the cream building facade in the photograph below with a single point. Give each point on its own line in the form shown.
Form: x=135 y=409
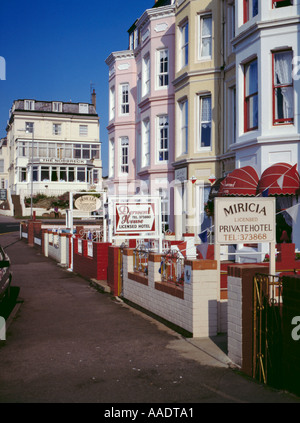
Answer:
x=199 y=94
x=66 y=154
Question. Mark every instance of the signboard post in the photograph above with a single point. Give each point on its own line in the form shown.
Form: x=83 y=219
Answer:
x=136 y=217
x=245 y=221
x=86 y=202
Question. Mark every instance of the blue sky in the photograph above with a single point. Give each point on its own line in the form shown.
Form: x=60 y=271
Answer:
x=55 y=50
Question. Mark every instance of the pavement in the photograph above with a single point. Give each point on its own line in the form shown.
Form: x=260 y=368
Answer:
x=66 y=342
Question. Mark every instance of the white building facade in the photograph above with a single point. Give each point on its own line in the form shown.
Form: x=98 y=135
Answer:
x=54 y=147
x=266 y=46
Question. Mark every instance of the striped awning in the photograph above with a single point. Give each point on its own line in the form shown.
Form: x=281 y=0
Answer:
x=240 y=182
x=279 y=179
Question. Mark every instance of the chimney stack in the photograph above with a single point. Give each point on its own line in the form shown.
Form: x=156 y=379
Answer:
x=94 y=98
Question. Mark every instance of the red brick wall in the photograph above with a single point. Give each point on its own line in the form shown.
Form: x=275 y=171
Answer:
x=91 y=267
x=114 y=270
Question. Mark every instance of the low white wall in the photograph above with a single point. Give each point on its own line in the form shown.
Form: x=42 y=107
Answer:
x=56 y=246
x=197 y=312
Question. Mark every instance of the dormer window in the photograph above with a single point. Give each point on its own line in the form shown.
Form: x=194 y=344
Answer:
x=56 y=106
x=29 y=104
x=83 y=108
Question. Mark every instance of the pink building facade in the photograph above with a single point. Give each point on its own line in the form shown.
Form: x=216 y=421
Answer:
x=141 y=110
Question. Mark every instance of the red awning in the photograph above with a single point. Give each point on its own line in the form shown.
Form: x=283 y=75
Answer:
x=280 y=179
x=240 y=182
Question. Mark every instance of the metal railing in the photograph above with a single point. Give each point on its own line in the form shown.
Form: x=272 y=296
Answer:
x=172 y=267
x=95 y=235
x=140 y=258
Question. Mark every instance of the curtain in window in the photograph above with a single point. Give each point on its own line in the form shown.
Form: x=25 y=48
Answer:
x=205 y=121
x=283 y=76
x=206 y=37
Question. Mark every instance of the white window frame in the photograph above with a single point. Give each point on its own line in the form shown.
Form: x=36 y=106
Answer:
x=112 y=103
x=146 y=75
x=201 y=122
x=204 y=37
x=161 y=139
x=29 y=127
x=146 y=142
x=183 y=126
x=111 y=168
x=124 y=99
x=83 y=108
x=29 y=105
x=184 y=44
x=163 y=76
x=56 y=129
x=57 y=106
x=83 y=130
x=124 y=153
x=163 y=193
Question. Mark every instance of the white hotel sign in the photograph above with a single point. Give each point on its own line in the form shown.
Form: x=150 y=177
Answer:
x=245 y=220
x=135 y=218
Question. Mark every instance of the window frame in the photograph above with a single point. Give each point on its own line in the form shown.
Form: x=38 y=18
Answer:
x=247 y=128
x=184 y=44
x=281 y=1
x=248 y=7
x=83 y=130
x=146 y=75
x=29 y=127
x=57 y=106
x=284 y=121
x=124 y=105
x=111 y=158
x=200 y=39
x=201 y=97
x=161 y=148
x=124 y=148
x=183 y=128
x=56 y=129
x=146 y=143
x=29 y=105
x=163 y=75
x=112 y=103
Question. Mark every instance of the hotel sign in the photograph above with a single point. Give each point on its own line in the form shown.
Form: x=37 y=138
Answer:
x=134 y=218
x=60 y=161
x=245 y=220
x=88 y=203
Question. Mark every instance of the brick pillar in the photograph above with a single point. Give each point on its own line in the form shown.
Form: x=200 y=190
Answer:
x=240 y=314
x=34 y=226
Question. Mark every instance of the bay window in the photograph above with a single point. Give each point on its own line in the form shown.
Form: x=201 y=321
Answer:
x=146 y=143
x=205 y=37
x=283 y=91
x=163 y=138
x=146 y=75
x=251 y=96
x=250 y=9
x=184 y=44
x=124 y=152
x=205 y=121
x=124 y=100
x=163 y=68
x=183 y=127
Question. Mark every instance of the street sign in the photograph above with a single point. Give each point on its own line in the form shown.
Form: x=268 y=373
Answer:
x=3 y=194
